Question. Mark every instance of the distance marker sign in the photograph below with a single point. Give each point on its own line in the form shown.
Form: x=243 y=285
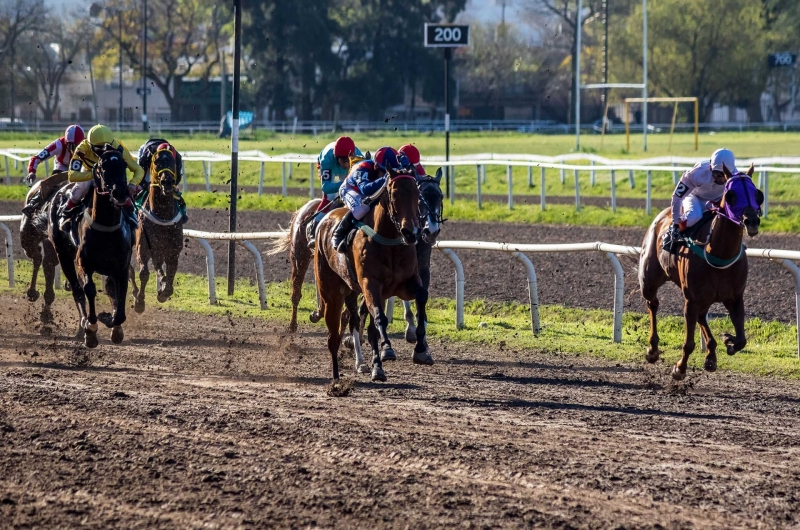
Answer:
x=446 y=36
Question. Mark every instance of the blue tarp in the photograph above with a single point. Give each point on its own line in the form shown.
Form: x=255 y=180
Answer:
x=245 y=119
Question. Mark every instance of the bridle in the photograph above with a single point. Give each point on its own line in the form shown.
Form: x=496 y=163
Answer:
x=155 y=179
x=98 y=175
x=392 y=214
x=423 y=203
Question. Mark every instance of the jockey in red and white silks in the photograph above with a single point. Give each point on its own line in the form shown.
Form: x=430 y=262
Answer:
x=61 y=149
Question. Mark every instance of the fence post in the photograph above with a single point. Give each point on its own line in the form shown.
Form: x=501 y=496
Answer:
x=262 y=292
x=542 y=192
x=619 y=293
x=563 y=176
x=592 y=175
x=533 y=291
x=796 y=274
x=261 y=180
x=311 y=178
x=291 y=169
x=674 y=175
x=8 y=173
x=452 y=184
x=483 y=173
x=530 y=176
x=480 y=201
x=766 y=194
x=9 y=254
x=649 y=199
x=510 y=180
x=207 y=175
x=630 y=178
x=283 y=178
x=212 y=281
x=577 y=193
x=613 y=191
x=459 y=286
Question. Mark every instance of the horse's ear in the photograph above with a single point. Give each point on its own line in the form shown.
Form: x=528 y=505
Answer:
x=759 y=195
x=367 y=156
x=726 y=171
x=751 y=170
x=438 y=176
x=730 y=197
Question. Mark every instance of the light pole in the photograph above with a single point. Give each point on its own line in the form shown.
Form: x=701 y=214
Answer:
x=237 y=60
x=119 y=121
x=144 y=72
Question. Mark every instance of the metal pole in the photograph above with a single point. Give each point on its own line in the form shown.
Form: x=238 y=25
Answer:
x=613 y=191
x=119 y=18
x=578 y=30
x=577 y=193
x=510 y=180
x=91 y=80
x=447 y=55
x=649 y=199
x=237 y=60
x=644 y=74
x=542 y=191
x=480 y=202
x=144 y=73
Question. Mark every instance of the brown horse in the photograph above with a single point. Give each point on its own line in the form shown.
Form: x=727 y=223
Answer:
x=37 y=246
x=711 y=269
x=160 y=234
x=379 y=266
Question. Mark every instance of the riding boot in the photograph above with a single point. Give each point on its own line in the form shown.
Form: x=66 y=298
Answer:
x=311 y=229
x=341 y=232
x=130 y=218
x=66 y=212
x=33 y=205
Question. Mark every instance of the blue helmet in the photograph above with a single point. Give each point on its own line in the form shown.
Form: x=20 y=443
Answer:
x=386 y=158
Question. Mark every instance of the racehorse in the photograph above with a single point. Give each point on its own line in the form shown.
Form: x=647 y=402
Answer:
x=713 y=268
x=160 y=234
x=37 y=246
x=430 y=218
x=103 y=246
x=379 y=263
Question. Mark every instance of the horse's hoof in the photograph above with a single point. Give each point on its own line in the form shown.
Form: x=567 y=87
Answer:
x=710 y=365
x=411 y=334
x=162 y=297
x=364 y=369
x=652 y=356
x=117 y=334
x=106 y=318
x=387 y=354
x=730 y=349
x=90 y=328
x=46 y=316
x=347 y=342
x=677 y=375
x=423 y=357
x=138 y=306
x=32 y=295
x=67 y=286
x=378 y=374
x=315 y=317
x=90 y=340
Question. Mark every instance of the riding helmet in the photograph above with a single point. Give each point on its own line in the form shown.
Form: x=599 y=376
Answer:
x=344 y=146
x=74 y=134
x=386 y=158
x=723 y=156
x=100 y=135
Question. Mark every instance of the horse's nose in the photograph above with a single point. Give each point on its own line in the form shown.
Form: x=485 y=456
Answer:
x=409 y=235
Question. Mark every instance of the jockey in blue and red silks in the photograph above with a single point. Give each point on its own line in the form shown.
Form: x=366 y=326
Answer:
x=365 y=178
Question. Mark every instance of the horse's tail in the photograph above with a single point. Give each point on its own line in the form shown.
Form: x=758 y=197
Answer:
x=284 y=243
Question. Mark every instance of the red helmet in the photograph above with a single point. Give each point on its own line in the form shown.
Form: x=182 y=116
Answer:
x=167 y=147
x=411 y=152
x=344 y=146
x=74 y=134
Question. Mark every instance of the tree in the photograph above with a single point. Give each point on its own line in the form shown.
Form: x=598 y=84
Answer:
x=16 y=17
x=51 y=50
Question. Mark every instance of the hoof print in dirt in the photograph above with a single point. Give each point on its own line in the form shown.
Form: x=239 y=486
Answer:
x=340 y=388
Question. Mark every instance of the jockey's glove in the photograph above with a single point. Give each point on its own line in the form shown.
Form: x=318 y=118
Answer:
x=30 y=179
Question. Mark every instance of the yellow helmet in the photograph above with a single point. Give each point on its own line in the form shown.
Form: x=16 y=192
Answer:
x=100 y=135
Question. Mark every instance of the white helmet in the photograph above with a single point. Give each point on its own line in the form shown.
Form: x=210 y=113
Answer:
x=723 y=156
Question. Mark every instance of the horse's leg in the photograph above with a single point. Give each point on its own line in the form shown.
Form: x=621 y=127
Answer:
x=736 y=312
x=170 y=269
x=120 y=294
x=67 y=261
x=374 y=300
x=132 y=279
x=143 y=258
x=35 y=253
x=421 y=353
x=333 y=315
x=298 y=274
x=411 y=329
x=90 y=327
x=351 y=302
x=690 y=315
x=710 y=364
x=49 y=269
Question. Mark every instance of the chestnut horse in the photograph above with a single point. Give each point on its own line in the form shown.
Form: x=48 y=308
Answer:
x=711 y=269
x=104 y=246
x=160 y=234
x=380 y=265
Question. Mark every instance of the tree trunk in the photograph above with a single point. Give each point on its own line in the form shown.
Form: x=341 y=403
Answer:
x=754 y=113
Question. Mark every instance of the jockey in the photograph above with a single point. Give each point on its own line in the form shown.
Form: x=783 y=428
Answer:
x=333 y=163
x=412 y=153
x=146 y=152
x=704 y=183
x=86 y=156
x=365 y=178
x=62 y=149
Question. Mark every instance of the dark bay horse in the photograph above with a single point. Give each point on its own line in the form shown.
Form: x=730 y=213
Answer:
x=379 y=266
x=160 y=234
x=431 y=201
x=713 y=268
x=36 y=244
x=104 y=246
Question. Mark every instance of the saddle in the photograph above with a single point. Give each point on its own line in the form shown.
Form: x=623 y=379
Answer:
x=689 y=233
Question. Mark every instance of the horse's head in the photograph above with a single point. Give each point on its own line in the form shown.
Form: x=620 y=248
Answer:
x=742 y=201
x=431 y=201
x=403 y=196
x=109 y=176
x=163 y=169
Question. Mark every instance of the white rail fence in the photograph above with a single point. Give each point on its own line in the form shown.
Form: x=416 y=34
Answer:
x=785 y=258
x=673 y=165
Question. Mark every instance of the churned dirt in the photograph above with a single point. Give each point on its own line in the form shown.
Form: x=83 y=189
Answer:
x=216 y=423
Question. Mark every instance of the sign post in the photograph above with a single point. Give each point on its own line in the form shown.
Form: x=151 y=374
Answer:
x=237 y=60
x=447 y=36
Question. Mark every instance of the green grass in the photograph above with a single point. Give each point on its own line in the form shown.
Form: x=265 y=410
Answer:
x=771 y=349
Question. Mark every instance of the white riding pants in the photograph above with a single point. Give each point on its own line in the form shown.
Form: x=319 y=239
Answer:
x=352 y=199
x=693 y=210
x=79 y=190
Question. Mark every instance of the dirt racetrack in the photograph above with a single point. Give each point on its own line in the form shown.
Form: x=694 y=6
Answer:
x=205 y=422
